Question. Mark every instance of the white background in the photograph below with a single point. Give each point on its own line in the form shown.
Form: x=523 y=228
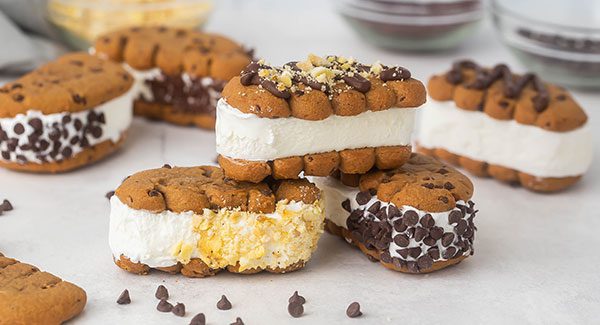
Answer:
x=535 y=255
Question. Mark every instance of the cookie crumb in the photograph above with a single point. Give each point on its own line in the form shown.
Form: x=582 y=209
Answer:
x=162 y=293
x=124 y=298
x=224 y=304
x=353 y=310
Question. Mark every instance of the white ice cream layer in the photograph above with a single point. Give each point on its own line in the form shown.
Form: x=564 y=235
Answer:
x=218 y=238
x=117 y=112
x=249 y=137
x=139 y=81
x=525 y=148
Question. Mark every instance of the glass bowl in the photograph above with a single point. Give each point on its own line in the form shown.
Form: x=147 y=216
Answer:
x=559 y=40
x=422 y=25
x=80 y=22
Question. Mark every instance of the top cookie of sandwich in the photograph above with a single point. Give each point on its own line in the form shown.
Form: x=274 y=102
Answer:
x=181 y=189
x=504 y=95
x=423 y=182
x=319 y=87
x=175 y=50
x=72 y=83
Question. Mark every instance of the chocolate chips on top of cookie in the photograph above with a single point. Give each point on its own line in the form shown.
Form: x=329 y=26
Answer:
x=319 y=73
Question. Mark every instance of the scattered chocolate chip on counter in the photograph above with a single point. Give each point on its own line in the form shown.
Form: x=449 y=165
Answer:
x=5 y=206
x=124 y=298
x=296 y=298
x=295 y=309
x=164 y=306
x=224 y=304
x=179 y=309
x=238 y=321
x=353 y=310
x=199 y=319
x=162 y=293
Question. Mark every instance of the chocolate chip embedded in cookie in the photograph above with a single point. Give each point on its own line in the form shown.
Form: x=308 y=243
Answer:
x=30 y=296
x=515 y=128
x=179 y=73
x=415 y=219
x=316 y=116
x=66 y=114
x=195 y=221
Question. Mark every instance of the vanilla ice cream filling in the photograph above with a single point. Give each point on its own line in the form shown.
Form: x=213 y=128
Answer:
x=21 y=141
x=525 y=148
x=250 y=137
x=334 y=193
x=219 y=238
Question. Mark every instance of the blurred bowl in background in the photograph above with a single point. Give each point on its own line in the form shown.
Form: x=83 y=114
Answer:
x=81 y=21
x=415 y=25
x=559 y=40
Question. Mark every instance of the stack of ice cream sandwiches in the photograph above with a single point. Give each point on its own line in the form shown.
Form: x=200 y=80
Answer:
x=319 y=143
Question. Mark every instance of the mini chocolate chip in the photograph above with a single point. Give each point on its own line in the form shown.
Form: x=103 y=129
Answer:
x=124 y=298
x=454 y=217
x=109 y=194
x=401 y=240
x=461 y=227
x=238 y=321
x=153 y=193
x=79 y=99
x=167 y=166
x=403 y=252
x=6 y=155
x=561 y=97
x=295 y=309
x=77 y=124
x=223 y=304
x=421 y=233
x=19 y=128
x=67 y=152
x=436 y=232
x=393 y=212
x=414 y=252
x=443 y=199
x=448 y=186
x=179 y=309
x=399 y=225
x=428 y=185
x=346 y=205
x=353 y=310
x=374 y=208
x=427 y=221
x=434 y=253
x=410 y=218
x=161 y=292
x=447 y=239
x=429 y=241
x=449 y=253
x=96 y=132
x=469 y=233
x=443 y=171
x=297 y=298
x=36 y=123
x=412 y=267
x=199 y=319
x=164 y=306
x=363 y=197
x=424 y=262
x=386 y=257
x=18 y=98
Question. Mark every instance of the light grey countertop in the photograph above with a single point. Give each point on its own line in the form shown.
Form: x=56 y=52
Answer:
x=534 y=262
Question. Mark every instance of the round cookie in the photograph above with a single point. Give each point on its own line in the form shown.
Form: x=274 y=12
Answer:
x=515 y=128
x=414 y=219
x=67 y=114
x=179 y=73
x=196 y=222
x=306 y=116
